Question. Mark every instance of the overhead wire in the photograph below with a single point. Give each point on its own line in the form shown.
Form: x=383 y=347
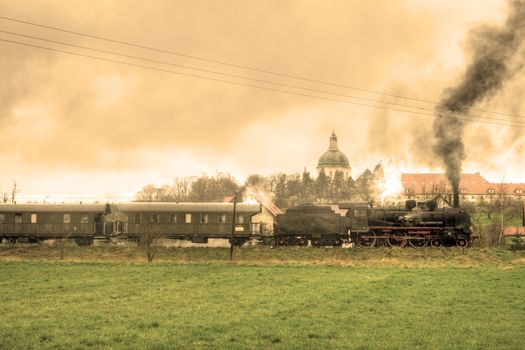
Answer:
x=266 y=71
x=446 y=116
x=241 y=76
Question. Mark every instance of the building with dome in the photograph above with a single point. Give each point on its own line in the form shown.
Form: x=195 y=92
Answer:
x=333 y=160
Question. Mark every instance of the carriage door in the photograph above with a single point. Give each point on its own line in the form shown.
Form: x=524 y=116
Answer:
x=109 y=228
x=99 y=224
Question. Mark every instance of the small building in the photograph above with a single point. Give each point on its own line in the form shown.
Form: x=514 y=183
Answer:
x=333 y=161
x=267 y=215
x=266 y=218
x=515 y=231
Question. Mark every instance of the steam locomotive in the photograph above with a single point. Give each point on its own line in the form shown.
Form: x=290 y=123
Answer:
x=415 y=225
x=196 y=222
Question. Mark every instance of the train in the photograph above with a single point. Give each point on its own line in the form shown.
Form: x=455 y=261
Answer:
x=84 y=223
x=416 y=225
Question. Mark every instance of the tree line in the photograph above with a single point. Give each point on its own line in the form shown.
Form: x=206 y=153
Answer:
x=285 y=190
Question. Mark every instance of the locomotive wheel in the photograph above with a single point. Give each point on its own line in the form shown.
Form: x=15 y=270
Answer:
x=366 y=240
x=301 y=241
x=316 y=242
x=397 y=240
x=417 y=241
x=461 y=243
x=282 y=241
x=436 y=243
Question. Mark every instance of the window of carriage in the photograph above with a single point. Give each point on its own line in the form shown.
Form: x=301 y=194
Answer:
x=187 y=218
x=34 y=218
x=67 y=218
x=173 y=218
x=18 y=218
x=155 y=218
x=240 y=219
x=204 y=218
x=222 y=218
x=84 y=219
x=137 y=218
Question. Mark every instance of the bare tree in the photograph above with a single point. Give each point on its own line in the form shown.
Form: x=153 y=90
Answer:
x=502 y=196
x=182 y=187
x=62 y=244
x=14 y=192
x=148 y=244
x=147 y=194
x=5 y=197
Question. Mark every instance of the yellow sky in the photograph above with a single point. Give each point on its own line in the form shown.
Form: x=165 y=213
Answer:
x=75 y=125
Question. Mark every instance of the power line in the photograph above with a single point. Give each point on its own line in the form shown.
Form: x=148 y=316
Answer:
x=240 y=76
x=446 y=116
x=174 y=53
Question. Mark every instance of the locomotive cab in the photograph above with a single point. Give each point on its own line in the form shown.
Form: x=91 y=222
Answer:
x=356 y=216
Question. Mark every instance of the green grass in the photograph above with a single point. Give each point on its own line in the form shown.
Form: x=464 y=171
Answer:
x=377 y=257
x=167 y=305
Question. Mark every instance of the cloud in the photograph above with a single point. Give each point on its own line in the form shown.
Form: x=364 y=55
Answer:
x=85 y=116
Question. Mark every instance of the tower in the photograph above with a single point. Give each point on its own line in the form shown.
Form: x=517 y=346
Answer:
x=333 y=160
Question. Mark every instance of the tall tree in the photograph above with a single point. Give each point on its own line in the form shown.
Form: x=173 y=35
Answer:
x=337 y=186
x=280 y=190
x=321 y=186
x=307 y=187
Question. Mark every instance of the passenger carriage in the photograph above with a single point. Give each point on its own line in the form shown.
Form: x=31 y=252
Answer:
x=196 y=222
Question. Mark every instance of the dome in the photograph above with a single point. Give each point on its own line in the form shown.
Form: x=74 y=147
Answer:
x=333 y=159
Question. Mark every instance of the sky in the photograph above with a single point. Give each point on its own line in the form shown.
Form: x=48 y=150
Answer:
x=77 y=127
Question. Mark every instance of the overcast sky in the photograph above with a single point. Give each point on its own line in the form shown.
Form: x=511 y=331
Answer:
x=76 y=125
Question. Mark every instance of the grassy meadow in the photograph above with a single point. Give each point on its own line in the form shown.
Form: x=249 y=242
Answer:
x=109 y=297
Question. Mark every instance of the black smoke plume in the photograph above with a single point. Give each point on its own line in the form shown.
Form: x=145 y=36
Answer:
x=496 y=58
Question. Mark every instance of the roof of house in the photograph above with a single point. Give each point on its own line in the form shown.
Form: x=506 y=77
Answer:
x=266 y=203
x=272 y=208
x=420 y=183
x=514 y=230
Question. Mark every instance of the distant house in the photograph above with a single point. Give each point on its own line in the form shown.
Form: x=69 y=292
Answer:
x=267 y=215
x=513 y=231
x=472 y=187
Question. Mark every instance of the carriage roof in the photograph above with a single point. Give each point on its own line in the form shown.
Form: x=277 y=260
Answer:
x=188 y=207
x=66 y=208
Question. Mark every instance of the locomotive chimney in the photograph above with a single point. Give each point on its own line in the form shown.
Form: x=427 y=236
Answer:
x=456 y=199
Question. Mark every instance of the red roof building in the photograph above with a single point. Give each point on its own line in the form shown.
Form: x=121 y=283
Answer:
x=473 y=185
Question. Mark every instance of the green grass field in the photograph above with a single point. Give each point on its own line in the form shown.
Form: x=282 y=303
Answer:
x=282 y=299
